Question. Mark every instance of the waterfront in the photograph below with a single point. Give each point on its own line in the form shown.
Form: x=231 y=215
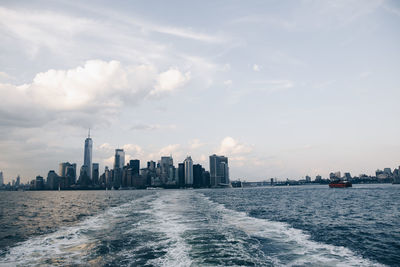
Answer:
x=275 y=226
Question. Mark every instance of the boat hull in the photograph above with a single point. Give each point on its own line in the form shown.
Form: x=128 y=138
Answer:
x=340 y=185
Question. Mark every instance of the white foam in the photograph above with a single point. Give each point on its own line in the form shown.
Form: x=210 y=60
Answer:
x=297 y=243
x=168 y=220
x=67 y=245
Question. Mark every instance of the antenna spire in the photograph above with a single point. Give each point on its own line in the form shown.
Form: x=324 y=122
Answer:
x=89 y=133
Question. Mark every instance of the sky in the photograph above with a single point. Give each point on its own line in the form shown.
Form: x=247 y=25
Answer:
x=283 y=88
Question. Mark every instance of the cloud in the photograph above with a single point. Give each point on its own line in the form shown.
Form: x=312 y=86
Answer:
x=232 y=147
x=275 y=85
x=256 y=67
x=146 y=26
x=134 y=150
x=93 y=92
x=195 y=143
x=152 y=127
x=228 y=82
x=59 y=32
x=364 y=75
x=392 y=10
x=168 y=81
x=5 y=76
x=170 y=150
x=106 y=147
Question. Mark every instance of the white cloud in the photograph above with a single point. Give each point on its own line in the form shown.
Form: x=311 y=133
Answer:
x=232 y=147
x=106 y=147
x=133 y=149
x=256 y=67
x=152 y=127
x=94 y=91
x=228 y=82
x=275 y=85
x=364 y=75
x=392 y=10
x=172 y=149
x=169 y=80
x=5 y=76
x=195 y=143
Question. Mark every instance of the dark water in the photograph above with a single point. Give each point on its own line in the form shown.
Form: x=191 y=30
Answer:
x=281 y=226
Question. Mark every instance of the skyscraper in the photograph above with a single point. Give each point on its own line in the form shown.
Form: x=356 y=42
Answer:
x=119 y=159
x=198 y=175
x=135 y=165
x=219 y=170
x=63 y=168
x=165 y=164
x=95 y=173
x=53 y=180
x=87 y=159
x=181 y=174
x=1 y=179
x=188 y=170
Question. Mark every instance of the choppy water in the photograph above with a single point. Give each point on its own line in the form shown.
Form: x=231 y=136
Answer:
x=290 y=226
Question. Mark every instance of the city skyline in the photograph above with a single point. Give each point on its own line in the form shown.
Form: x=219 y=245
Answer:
x=164 y=173
x=284 y=89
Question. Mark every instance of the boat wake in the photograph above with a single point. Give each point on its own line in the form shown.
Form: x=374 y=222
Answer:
x=178 y=228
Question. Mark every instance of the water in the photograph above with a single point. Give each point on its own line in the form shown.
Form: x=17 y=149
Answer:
x=280 y=226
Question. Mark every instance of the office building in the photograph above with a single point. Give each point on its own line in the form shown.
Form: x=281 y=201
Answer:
x=198 y=175
x=388 y=171
x=95 y=173
x=52 y=180
x=181 y=174
x=219 y=170
x=188 y=171
x=1 y=179
x=87 y=157
x=39 y=183
x=134 y=164
x=119 y=159
x=165 y=169
x=68 y=170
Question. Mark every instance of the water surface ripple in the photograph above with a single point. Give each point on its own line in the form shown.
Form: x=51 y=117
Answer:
x=281 y=226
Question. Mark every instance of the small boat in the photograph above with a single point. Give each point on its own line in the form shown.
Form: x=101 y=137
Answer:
x=340 y=184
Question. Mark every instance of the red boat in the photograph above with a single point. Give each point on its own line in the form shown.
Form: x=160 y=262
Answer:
x=340 y=184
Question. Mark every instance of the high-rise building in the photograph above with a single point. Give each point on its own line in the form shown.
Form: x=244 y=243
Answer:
x=1 y=179
x=95 y=173
x=70 y=174
x=87 y=158
x=64 y=169
x=219 y=170
x=165 y=166
x=39 y=183
x=52 y=180
x=18 y=181
x=119 y=159
x=388 y=171
x=181 y=174
x=151 y=165
x=134 y=164
x=198 y=175
x=188 y=170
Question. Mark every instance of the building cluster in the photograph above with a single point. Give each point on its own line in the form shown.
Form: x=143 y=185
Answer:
x=130 y=175
x=163 y=173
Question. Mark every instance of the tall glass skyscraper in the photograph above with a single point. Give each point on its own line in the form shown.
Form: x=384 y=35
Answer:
x=219 y=170
x=188 y=171
x=119 y=159
x=87 y=159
